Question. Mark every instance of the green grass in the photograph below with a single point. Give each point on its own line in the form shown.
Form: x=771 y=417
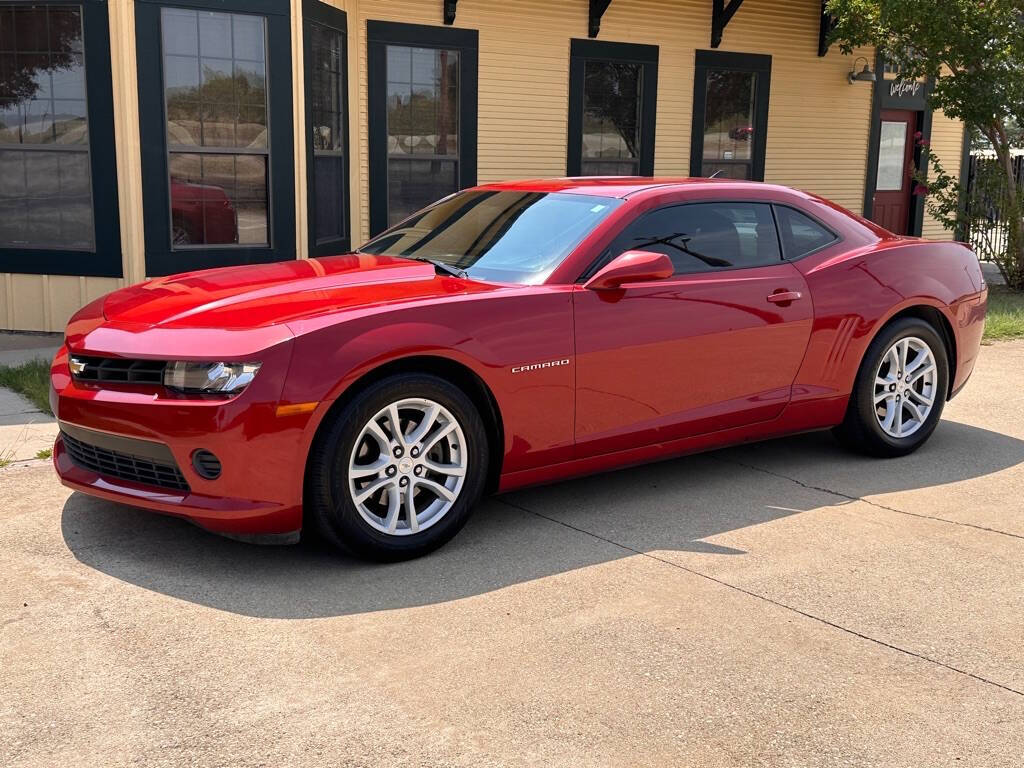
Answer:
x=31 y=380
x=45 y=453
x=1005 y=319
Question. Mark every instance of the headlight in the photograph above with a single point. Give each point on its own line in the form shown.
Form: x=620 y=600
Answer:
x=214 y=378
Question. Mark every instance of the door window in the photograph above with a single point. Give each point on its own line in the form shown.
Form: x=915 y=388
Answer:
x=702 y=237
x=892 y=146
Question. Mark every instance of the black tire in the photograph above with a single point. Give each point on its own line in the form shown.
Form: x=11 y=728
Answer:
x=861 y=430
x=330 y=513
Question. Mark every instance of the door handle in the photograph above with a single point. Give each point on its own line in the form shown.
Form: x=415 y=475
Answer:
x=785 y=298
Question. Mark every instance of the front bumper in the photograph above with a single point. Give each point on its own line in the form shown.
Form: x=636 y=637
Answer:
x=258 y=494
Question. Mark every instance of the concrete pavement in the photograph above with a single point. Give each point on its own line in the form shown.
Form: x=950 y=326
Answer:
x=20 y=347
x=24 y=429
x=779 y=604
x=991 y=273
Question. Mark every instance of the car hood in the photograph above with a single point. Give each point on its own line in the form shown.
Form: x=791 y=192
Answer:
x=269 y=294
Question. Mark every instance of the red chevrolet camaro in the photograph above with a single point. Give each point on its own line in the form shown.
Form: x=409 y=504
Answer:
x=510 y=334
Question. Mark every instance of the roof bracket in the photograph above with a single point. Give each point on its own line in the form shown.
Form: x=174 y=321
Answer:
x=828 y=23
x=721 y=15
x=449 y=11
x=597 y=9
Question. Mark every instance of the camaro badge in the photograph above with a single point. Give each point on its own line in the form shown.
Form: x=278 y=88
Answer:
x=538 y=366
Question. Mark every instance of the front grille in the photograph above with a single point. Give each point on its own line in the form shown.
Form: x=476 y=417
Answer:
x=117 y=370
x=137 y=469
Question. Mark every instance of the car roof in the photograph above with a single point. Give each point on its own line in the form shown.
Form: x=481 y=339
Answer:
x=624 y=186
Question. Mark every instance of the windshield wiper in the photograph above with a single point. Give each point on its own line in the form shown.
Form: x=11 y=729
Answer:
x=669 y=240
x=447 y=268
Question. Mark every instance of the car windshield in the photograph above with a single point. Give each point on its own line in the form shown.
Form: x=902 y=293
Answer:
x=502 y=235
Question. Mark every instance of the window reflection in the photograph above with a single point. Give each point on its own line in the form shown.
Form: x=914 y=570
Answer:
x=611 y=118
x=328 y=131
x=729 y=124
x=423 y=127
x=215 y=86
x=45 y=175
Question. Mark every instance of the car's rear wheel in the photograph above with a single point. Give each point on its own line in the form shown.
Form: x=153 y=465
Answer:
x=398 y=470
x=900 y=391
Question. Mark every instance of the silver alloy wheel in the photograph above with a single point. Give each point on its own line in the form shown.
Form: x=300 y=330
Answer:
x=408 y=466
x=905 y=387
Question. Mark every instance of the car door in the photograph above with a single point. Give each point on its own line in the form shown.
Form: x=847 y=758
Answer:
x=717 y=345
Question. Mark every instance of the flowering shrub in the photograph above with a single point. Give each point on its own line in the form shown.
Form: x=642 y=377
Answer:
x=980 y=218
x=972 y=51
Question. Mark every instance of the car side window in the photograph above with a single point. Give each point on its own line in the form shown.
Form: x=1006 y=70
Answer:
x=800 y=233
x=703 y=237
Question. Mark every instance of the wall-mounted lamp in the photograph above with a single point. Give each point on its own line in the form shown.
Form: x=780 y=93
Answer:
x=864 y=76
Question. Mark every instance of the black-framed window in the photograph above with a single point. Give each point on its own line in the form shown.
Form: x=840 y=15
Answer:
x=422 y=116
x=613 y=91
x=58 y=180
x=325 y=47
x=215 y=107
x=730 y=115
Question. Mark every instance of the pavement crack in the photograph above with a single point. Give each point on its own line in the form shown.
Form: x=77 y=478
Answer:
x=849 y=497
x=766 y=598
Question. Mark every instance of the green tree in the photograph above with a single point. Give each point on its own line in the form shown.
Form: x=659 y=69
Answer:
x=612 y=89
x=975 y=51
x=19 y=78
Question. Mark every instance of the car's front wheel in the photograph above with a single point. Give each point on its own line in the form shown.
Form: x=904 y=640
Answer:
x=397 y=471
x=900 y=391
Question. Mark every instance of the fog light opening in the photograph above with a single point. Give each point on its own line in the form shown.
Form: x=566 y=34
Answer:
x=206 y=465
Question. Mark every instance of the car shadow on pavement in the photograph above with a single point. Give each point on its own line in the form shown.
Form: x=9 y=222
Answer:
x=672 y=505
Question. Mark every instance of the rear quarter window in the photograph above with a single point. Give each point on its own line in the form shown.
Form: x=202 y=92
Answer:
x=800 y=234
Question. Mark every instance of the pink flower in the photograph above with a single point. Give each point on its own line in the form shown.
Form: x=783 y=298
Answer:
x=921 y=190
x=918 y=135
x=925 y=143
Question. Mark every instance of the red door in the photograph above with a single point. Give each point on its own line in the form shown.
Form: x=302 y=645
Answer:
x=693 y=354
x=893 y=182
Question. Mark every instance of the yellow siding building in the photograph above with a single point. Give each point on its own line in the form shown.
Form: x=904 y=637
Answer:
x=140 y=138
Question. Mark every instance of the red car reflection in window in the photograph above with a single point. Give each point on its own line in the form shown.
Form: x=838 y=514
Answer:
x=202 y=214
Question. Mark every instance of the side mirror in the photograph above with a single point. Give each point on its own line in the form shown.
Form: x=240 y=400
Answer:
x=631 y=267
